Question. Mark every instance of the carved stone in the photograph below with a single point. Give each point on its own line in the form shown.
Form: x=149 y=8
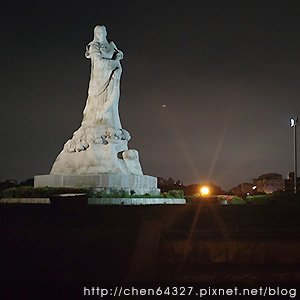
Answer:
x=100 y=145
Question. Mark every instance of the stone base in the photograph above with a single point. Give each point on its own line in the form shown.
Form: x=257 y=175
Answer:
x=134 y=201
x=140 y=184
x=100 y=201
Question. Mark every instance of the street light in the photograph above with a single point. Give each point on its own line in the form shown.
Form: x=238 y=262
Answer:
x=204 y=190
x=294 y=123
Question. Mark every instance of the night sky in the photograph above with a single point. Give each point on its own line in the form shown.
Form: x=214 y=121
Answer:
x=207 y=90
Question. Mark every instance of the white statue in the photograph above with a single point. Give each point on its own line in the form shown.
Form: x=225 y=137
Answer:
x=100 y=144
x=104 y=88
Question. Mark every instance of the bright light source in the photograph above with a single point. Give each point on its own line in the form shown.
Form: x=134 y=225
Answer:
x=294 y=122
x=204 y=190
x=254 y=187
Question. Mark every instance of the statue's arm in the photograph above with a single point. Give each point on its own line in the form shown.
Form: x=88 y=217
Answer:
x=119 y=54
x=93 y=49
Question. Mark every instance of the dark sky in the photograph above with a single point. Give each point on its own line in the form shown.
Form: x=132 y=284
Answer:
x=228 y=71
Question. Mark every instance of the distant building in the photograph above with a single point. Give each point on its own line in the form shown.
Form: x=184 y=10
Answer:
x=243 y=189
x=289 y=182
x=269 y=183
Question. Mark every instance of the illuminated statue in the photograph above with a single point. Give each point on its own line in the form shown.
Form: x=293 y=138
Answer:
x=99 y=146
x=97 y=155
x=104 y=88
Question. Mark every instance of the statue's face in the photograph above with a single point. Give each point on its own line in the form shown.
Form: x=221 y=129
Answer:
x=100 y=33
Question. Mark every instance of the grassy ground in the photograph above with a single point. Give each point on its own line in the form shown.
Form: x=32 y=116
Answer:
x=117 y=243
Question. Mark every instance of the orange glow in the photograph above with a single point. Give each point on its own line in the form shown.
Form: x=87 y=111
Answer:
x=204 y=191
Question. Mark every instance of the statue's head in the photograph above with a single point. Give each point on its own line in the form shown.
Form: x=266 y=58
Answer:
x=100 y=33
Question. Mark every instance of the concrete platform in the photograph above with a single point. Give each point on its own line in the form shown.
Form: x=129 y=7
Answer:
x=25 y=201
x=100 y=201
x=134 y=201
x=140 y=184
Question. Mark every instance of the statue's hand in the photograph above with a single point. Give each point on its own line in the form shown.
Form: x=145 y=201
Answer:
x=119 y=56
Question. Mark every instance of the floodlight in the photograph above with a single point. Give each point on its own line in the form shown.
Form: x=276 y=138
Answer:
x=294 y=122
